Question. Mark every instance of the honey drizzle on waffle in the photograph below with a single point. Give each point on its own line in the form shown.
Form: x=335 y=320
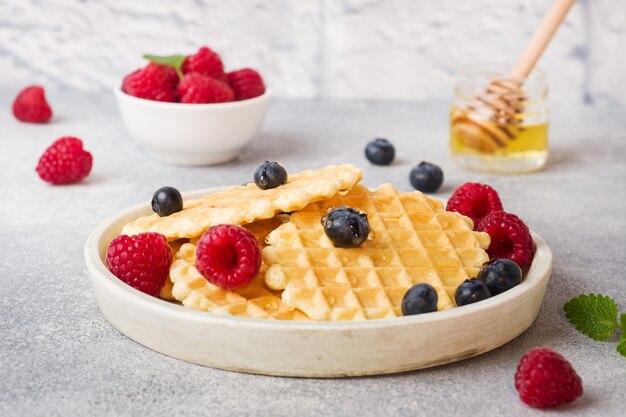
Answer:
x=416 y=241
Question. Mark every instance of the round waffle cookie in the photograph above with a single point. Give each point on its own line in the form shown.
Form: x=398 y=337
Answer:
x=252 y=300
x=414 y=241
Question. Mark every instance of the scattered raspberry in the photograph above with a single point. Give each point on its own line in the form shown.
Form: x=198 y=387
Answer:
x=228 y=256
x=142 y=261
x=545 y=379
x=475 y=201
x=510 y=237
x=64 y=162
x=154 y=82
x=205 y=62
x=246 y=83
x=197 y=88
x=31 y=106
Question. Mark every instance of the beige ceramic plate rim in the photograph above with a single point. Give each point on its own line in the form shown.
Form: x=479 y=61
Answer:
x=534 y=277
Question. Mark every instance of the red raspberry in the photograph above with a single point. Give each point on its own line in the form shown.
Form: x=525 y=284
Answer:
x=196 y=88
x=31 y=106
x=475 y=201
x=228 y=256
x=205 y=62
x=142 y=261
x=65 y=161
x=246 y=83
x=510 y=237
x=545 y=379
x=154 y=82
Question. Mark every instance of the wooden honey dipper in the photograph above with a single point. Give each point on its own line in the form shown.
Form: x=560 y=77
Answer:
x=490 y=121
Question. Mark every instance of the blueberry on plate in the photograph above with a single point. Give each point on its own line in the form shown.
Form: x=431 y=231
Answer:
x=380 y=152
x=500 y=275
x=166 y=201
x=426 y=177
x=270 y=175
x=471 y=291
x=346 y=227
x=420 y=298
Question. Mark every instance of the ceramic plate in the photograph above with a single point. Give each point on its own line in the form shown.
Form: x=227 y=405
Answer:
x=312 y=349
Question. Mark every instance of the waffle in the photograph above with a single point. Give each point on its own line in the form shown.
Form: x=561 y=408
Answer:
x=414 y=241
x=247 y=203
x=253 y=300
x=166 y=291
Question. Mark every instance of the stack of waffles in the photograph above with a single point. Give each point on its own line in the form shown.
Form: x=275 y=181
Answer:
x=303 y=275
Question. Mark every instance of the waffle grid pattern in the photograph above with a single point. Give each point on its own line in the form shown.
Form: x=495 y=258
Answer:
x=415 y=241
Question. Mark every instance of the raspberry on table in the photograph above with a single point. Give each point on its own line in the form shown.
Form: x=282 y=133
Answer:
x=197 y=88
x=153 y=82
x=142 y=261
x=510 y=237
x=246 y=83
x=65 y=161
x=30 y=105
x=546 y=379
x=475 y=201
x=228 y=256
x=205 y=62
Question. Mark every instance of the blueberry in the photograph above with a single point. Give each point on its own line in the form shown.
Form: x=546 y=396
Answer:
x=346 y=227
x=426 y=177
x=500 y=275
x=471 y=291
x=166 y=201
x=420 y=298
x=380 y=152
x=270 y=175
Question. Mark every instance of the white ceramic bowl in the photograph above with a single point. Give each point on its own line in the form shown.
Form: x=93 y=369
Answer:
x=312 y=349
x=193 y=134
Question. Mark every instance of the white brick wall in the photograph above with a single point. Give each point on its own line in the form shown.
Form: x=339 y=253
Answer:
x=407 y=49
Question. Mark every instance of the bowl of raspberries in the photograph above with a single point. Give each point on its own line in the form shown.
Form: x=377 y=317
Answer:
x=187 y=110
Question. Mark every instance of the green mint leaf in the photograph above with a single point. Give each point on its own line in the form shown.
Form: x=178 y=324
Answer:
x=593 y=315
x=174 y=61
x=623 y=320
x=621 y=343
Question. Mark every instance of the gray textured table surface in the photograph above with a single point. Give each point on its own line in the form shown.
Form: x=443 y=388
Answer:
x=59 y=357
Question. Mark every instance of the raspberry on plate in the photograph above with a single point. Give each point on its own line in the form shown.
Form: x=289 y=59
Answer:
x=510 y=237
x=197 y=88
x=228 y=256
x=246 y=83
x=205 y=62
x=475 y=201
x=154 y=82
x=31 y=106
x=142 y=261
x=65 y=161
x=545 y=379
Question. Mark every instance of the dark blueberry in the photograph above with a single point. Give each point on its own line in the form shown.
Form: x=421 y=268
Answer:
x=270 y=175
x=380 y=152
x=166 y=201
x=471 y=291
x=426 y=177
x=500 y=275
x=420 y=298
x=346 y=227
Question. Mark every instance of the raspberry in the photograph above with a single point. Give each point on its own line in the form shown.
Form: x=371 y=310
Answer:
x=197 y=88
x=545 y=379
x=31 y=106
x=142 y=261
x=510 y=237
x=64 y=162
x=205 y=62
x=154 y=82
x=475 y=201
x=246 y=83
x=228 y=256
